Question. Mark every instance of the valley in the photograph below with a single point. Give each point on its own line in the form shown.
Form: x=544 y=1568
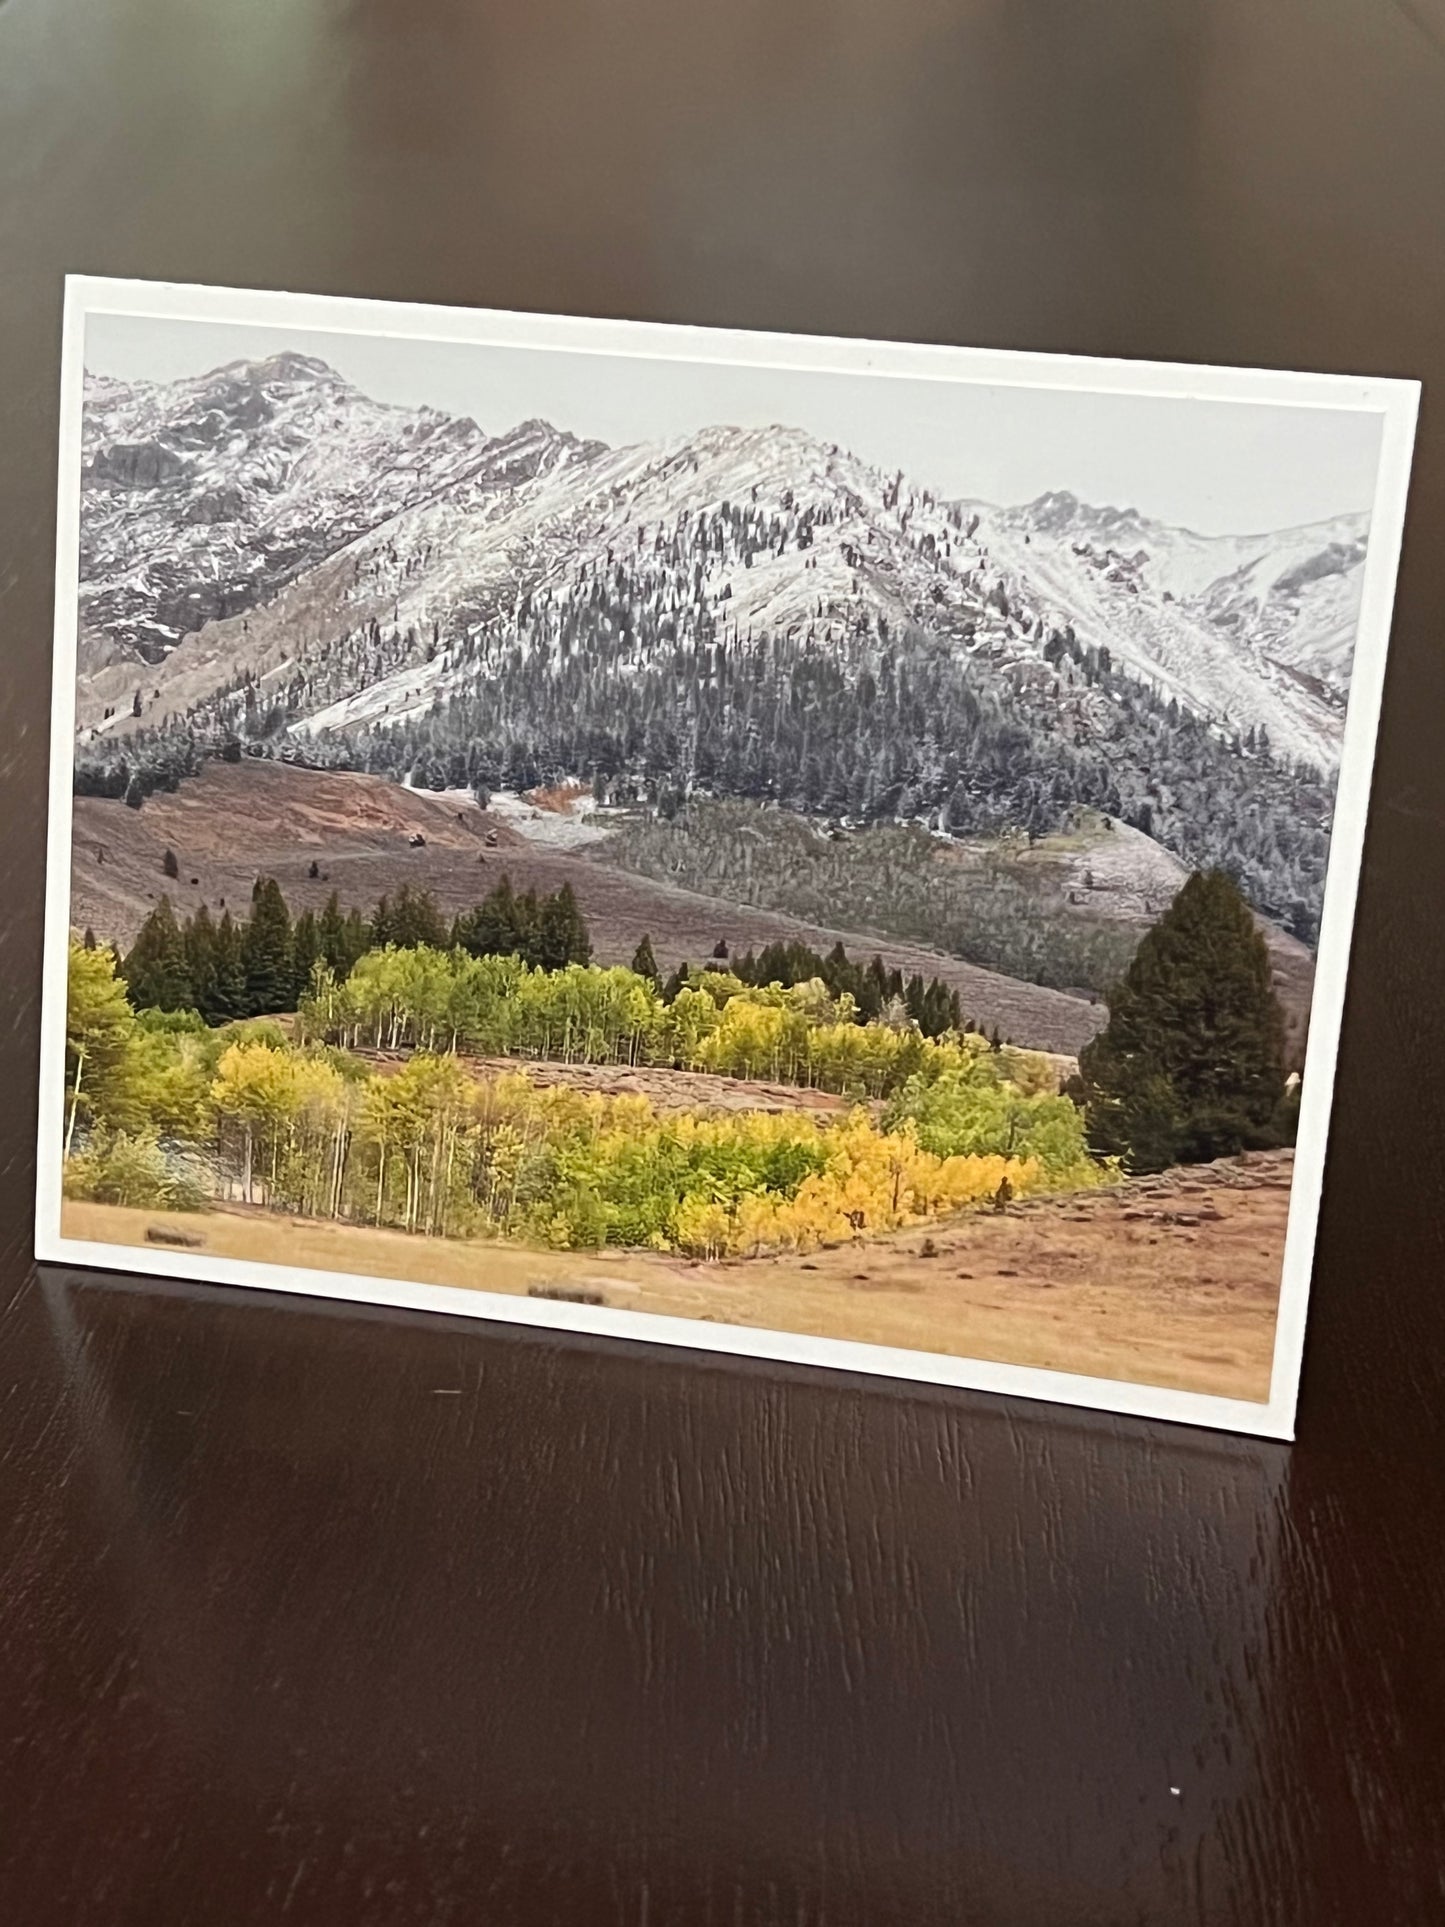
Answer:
x=235 y=822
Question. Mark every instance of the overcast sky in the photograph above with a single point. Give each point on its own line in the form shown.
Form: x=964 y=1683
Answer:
x=1217 y=467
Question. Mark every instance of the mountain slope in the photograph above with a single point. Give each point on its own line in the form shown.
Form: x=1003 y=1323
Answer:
x=204 y=498
x=1252 y=631
x=237 y=822
x=744 y=612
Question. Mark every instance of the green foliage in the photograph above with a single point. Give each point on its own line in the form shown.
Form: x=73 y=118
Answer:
x=966 y=1111
x=156 y=971
x=266 y=950
x=409 y=919
x=875 y=990
x=1191 y=1063
x=711 y=1021
x=168 y=1105
x=133 y=1170
x=562 y=937
x=228 y=992
x=102 y=1088
x=549 y=934
x=1002 y=909
x=202 y=965
x=340 y=939
x=305 y=952
x=258 y=1030
x=644 y=964
x=171 y=1023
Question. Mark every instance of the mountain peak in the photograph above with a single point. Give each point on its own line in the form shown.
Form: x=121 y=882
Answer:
x=289 y=365
x=1058 y=510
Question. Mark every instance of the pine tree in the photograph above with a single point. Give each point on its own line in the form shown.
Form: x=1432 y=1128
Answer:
x=644 y=964
x=155 y=970
x=413 y=919
x=331 y=936
x=580 y=937
x=356 y=938
x=305 y=950
x=1191 y=1063
x=87 y=942
x=169 y=864
x=528 y=917
x=266 y=951
x=913 y=999
x=382 y=925
x=228 y=994
x=200 y=953
x=489 y=930
x=562 y=936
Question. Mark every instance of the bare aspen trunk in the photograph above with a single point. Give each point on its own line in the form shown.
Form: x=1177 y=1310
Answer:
x=431 y=1202
x=447 y=1188
x=75 y=1099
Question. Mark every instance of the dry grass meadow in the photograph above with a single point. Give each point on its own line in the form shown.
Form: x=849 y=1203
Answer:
x=1169 y=1281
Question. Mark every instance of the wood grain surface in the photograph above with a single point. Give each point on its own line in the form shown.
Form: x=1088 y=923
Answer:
x=316 y=1615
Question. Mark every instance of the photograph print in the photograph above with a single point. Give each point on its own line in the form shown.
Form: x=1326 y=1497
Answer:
x=828 y=850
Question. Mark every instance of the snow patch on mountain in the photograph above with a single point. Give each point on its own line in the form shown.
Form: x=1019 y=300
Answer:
x=1252 y=631
x=244 y=520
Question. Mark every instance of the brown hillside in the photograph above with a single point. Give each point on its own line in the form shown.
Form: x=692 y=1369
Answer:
x=238 y=821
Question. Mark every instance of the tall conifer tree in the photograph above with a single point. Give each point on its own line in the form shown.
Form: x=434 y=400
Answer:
x=561 y=934
x=1191 y=1063
x=356 y=944
x=412 y=919
x=266 y=951
x=228 y=993
x=305 y=950
x=155 y=970
x=331 y=936
x=200 y=952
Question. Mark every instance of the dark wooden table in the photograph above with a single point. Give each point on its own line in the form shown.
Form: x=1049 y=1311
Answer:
x=318 y=1615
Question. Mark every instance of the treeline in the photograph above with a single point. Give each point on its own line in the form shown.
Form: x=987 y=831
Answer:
x=265 y=964
x=883 y=728
x=448 y=1001
x=878 y=725
x=973 y=713
x=1004 y=912
x=876 y=991
x=164 y=1113
x=261 y=965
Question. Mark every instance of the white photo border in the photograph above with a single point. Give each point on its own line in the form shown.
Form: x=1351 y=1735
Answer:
x=1394 y=401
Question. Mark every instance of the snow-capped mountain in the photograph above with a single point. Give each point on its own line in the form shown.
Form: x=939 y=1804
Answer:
x=1243 y=629
x=236 y=522
x=273 y=561
x=203 y=498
